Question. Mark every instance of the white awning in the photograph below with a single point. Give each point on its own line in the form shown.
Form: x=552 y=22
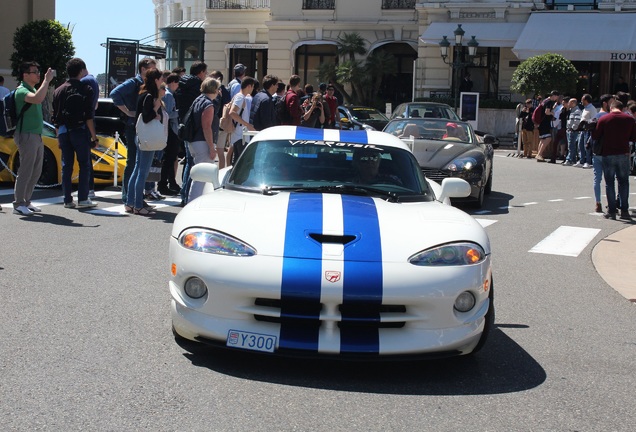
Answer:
x=487 y=34
x=579 y=36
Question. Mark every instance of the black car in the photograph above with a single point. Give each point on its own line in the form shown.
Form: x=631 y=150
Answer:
x=360 y=117
x=109 y=119
x=449 y=148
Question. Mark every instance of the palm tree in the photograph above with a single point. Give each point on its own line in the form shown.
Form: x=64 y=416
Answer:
x=350 y=44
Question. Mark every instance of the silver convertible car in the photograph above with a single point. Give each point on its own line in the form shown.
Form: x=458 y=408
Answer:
x=446 y=148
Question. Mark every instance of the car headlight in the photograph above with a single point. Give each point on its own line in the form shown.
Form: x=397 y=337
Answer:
x=452 y=254
x=462 y=164
x=214 y=242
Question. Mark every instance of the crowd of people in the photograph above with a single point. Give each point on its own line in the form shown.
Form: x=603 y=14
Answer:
x=582 y=136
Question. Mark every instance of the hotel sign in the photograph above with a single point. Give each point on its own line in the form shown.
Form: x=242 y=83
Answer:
x=623 y=56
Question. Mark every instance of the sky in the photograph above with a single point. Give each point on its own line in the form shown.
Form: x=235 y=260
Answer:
x=94 y=22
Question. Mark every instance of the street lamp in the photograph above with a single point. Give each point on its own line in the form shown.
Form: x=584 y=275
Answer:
x=458 y=62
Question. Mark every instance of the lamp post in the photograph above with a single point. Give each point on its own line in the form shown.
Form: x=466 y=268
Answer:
x=458 y=62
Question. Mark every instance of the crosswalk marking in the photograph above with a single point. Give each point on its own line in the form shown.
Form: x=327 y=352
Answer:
x=566 y=240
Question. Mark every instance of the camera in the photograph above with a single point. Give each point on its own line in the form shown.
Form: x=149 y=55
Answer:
x=54 y=73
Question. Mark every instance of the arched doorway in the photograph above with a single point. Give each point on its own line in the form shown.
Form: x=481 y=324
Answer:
x=397 y=87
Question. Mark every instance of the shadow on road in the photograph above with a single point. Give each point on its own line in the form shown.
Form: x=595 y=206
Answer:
x=501 y=367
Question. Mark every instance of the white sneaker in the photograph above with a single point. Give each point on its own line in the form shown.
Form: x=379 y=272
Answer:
x=577 y=165
x=34 y=209
x=567 y=163
x=587 y=165
x=86 y=204
x=22 y=210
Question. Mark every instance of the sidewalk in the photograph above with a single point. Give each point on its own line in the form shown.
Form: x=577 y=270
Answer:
x=615 y=260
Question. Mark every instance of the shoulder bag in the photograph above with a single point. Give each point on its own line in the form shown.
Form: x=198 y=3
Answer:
x=153 y=136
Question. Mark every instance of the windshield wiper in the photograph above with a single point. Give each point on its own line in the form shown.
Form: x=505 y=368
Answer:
x=350 y=189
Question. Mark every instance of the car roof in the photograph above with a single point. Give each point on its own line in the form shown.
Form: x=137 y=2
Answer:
x=313 y=134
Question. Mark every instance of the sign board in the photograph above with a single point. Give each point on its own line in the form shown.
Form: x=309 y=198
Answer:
x=469 y=108
x=121 y=63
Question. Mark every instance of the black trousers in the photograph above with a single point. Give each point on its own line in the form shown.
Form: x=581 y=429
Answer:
x=170 y=154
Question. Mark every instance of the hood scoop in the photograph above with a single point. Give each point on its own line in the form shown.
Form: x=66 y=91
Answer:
x=333 y=239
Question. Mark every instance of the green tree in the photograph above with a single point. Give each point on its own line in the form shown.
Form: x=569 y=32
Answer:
x=543 y=73
x=45 y=41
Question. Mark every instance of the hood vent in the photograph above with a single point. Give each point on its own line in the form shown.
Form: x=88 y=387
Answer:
x=335 y=239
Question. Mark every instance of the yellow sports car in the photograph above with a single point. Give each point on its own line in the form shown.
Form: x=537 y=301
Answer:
x=103 y=160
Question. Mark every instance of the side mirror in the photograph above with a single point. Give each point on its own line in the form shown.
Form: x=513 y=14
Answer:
x=453 y=187
x=491 y=139
x=207 y=173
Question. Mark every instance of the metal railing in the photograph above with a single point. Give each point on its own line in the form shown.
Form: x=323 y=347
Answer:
x=319 y=4
x=575 y=4
x=238 y=4
x=398 y=4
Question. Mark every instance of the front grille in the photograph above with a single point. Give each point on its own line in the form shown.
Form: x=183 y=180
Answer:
x=435 y=175
x=300 y=312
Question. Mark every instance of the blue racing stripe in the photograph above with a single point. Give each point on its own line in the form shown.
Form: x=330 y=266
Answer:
x=357 y=137
x=311 y=134
x=362 y=277
x=302 y=274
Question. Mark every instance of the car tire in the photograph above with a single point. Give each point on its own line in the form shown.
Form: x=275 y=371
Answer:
x=489 y=184
x=49 y=175
x=480 y=199
x=489 y=322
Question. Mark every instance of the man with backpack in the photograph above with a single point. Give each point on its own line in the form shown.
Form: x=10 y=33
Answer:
x=124 y=97
x=28 y=134
x=73 y=113
x=189 y=89
x=262 y=113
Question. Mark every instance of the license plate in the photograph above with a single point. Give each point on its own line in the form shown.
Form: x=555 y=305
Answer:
x=251 y=341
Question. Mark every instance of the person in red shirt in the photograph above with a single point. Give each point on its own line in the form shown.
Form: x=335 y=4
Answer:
x=616 y=130
x=292 y=101
x=332 y=102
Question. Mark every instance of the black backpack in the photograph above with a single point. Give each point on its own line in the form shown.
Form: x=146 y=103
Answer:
x=72 y=112
x=10 y=118
x=281 y=112
x=187 y=129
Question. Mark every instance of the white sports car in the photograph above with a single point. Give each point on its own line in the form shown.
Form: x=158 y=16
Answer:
x=327 y=242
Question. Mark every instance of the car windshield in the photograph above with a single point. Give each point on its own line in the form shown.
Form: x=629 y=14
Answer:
x=431 y=129
x=350 y=168
x=424 y=110
x=367 y=114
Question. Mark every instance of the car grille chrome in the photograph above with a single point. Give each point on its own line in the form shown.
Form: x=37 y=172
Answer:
x=435 y=174
x=306 y=313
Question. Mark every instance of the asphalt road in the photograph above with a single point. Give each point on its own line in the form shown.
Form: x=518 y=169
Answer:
x=86 y=341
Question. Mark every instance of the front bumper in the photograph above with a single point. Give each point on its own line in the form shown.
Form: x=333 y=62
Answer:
x=415 y=315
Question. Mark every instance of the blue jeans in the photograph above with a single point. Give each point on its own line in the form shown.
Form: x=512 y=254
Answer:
x=135 y=197
x=597 y=164
x=75 y=142
x=586 y=156
x=573 y=137
x=616 y=167
x=131 y=158
x=185 y=181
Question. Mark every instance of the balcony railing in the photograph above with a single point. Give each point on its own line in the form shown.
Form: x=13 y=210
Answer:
x=571 y=4
x=398 y=4
x=319 y=4
x=238 y=4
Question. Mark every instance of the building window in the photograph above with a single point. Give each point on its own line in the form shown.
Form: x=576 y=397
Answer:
x=484 y=72
x=254 y=59
x=398 y=4
x=319 y=4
